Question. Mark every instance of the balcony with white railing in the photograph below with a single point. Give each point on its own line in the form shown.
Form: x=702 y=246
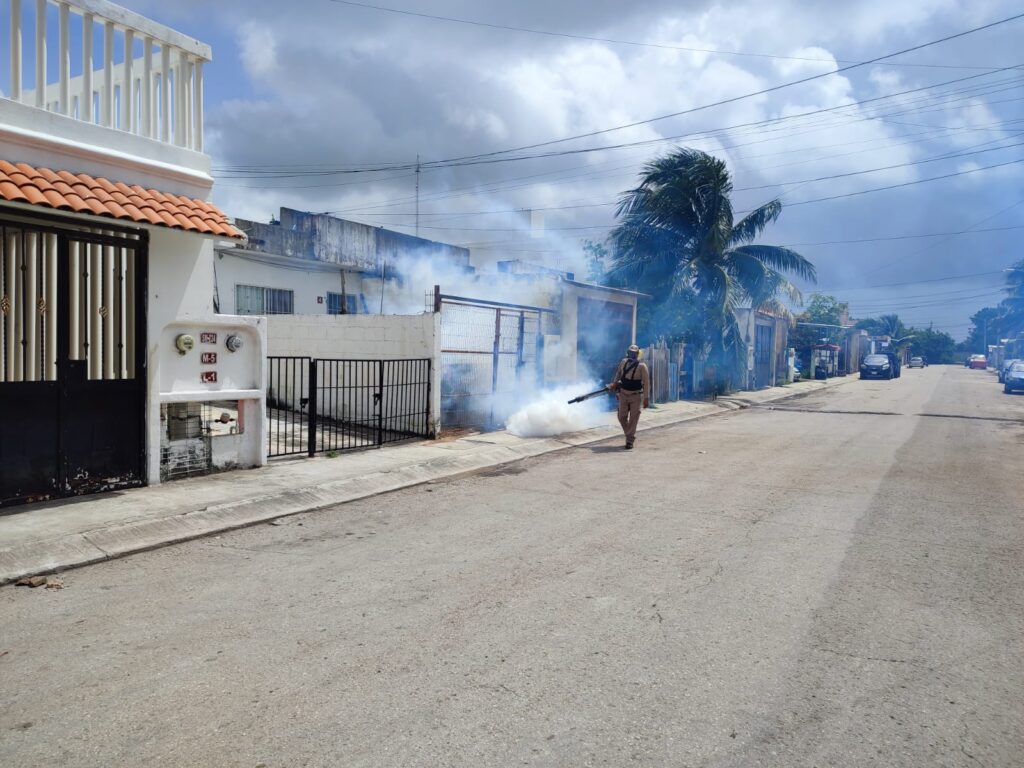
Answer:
x=92 y=81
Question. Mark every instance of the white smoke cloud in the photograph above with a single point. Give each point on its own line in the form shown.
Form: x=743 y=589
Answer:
x=550 y=414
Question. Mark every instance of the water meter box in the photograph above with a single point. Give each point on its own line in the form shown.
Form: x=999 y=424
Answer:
x=210 y=376
x=209 y=356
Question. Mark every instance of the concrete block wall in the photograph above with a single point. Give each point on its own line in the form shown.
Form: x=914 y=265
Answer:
x=370 y=337
x=362 y=337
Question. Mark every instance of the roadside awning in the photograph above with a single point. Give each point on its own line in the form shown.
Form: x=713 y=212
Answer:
x=81 y=193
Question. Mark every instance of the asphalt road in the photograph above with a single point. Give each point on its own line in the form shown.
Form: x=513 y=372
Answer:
x=832 y=581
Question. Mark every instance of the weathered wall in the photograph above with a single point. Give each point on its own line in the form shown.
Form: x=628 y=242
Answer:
x=330 y=240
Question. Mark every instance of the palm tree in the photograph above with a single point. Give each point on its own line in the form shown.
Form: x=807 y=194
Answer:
x=677 y=240
x=883 y=325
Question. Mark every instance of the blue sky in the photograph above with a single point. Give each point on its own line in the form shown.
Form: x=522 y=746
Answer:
x=319 y=84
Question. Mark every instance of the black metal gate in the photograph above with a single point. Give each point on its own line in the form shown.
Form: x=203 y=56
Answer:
x=492 y=353
x=72 y=359
x=325 y=405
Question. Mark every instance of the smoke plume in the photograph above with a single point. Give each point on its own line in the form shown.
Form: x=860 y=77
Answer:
x=550 y=414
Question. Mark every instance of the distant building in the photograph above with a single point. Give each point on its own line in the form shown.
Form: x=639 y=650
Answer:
x=767 y=338
x=314 y=264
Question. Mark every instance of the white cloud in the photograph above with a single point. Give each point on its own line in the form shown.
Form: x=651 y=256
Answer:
x=330 y=86
x=258 y=49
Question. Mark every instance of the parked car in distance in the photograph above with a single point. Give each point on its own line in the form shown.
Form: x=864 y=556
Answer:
x=1014 y=378
x=1004 y=368
x=877 y=367
x=977 y=362
x=916 y=362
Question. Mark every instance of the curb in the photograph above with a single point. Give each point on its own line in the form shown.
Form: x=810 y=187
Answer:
x=80 y=549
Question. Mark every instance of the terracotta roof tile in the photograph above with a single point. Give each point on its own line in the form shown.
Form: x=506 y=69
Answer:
x=100 y=209
x=46 y=173
x=32 y=194
x=198 y=223
x=56 y=200
x=115 y=210
x=77 y=204
x=11 y=191
x=20 y=179
x=167 y=218
x=20 y=182
x=101 y=194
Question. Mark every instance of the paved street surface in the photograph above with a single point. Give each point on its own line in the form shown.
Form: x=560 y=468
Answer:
x=835 y=580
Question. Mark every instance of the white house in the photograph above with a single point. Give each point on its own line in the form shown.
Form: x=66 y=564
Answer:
x=114 y=368
x=359 y=293
x=315 y=264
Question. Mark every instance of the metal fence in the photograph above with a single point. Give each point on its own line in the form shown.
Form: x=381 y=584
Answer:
x=325 y=405
x=491 y=353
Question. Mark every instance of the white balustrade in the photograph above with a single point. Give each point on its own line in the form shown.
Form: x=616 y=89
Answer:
x=153 y=89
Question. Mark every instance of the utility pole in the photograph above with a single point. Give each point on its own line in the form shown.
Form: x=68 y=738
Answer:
x=417 y=195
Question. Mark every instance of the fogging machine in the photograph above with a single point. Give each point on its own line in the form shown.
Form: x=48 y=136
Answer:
x=595 y=393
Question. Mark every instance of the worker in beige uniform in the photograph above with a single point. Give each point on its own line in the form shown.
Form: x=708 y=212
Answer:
x=632 y=387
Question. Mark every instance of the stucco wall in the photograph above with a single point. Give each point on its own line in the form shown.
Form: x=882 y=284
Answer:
x=365 y=337
x=311 y=281
x=180 y=300
x=307 y=282
x=43 y=138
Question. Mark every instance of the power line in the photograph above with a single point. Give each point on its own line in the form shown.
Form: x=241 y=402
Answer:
x=903 y=237
x=613 y=41
x=503 y=186
x=976 y=224
x=478 y=159
x=762 y=92
x=790 y=205
x=905 y=184
x=899 y=285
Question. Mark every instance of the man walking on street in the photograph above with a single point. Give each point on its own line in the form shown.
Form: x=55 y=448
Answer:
x=632 y=386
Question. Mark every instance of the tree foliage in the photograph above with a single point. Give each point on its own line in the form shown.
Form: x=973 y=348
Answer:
x=987 y=326
x=597 y=260
x=821 y=310
x=883 y=325
x=935 y=346
x=677 y=240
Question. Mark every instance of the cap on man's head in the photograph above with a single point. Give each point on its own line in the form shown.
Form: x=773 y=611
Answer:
x=633 y=348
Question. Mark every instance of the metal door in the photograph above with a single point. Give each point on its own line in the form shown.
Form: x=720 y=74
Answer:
x=603 y=331
x=764 y=347
x=72 y=388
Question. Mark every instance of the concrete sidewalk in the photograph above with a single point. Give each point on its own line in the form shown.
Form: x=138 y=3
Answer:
x=53 y=536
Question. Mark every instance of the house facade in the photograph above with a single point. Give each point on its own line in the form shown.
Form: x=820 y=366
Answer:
x=115 y=370
x=315 y=264
x=767 y=338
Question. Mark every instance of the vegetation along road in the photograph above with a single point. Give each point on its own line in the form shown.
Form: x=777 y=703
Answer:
x=832 y=581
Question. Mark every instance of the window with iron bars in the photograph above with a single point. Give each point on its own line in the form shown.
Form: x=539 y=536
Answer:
x=257 y=300
x=350 y=301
